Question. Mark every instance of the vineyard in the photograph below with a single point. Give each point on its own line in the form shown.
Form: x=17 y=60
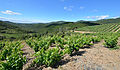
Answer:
x=51 y=49
x=91 y=47
x=102 y=28
x=59 y=35
x=11 y=57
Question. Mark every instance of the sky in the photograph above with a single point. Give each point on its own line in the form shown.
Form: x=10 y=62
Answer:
x=34 y=11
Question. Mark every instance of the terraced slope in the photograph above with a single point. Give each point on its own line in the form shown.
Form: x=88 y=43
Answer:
x=101 y=28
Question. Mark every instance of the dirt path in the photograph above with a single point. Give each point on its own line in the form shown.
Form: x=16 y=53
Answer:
x=28 y=53
x=84 y=32
x=96 y=58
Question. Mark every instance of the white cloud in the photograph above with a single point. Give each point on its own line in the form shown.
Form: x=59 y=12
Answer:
x=115 y=17
x=10 y=12
x=23 y=20
x=4 y=18
x=69 y=8
x=81 y=7
x=97 y=17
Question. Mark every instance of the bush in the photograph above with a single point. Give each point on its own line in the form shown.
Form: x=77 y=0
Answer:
x=2 y=45
x=49 y=57
x=14 y=62
x=111 y=42
x=96 y=39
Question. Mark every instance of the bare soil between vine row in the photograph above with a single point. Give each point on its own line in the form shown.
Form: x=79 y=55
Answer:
x=84 y=32
x=28 y=53
x=95 y=58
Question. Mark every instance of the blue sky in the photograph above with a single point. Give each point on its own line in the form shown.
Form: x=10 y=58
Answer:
x=27 y=11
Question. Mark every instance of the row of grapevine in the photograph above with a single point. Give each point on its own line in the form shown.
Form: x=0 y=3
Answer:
x=2 y=44
x=11 y=56
x=108 y=27
x=112 y=29
x=117 y=28
x=111 y=41
x=101 y=28
x=50 y=49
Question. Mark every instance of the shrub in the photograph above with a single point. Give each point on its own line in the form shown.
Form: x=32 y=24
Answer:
x=14 y=62
x=111 y=42
x=49 y=57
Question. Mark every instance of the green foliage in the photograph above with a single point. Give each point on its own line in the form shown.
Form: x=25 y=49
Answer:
x=9 y=49
x=15 y=31
x=14 y=62
x=37 y=44
x=101 y=28
x=51 y=48
x=73 y=45
x=49 y=57
x=111 y=42
x=86 y=41
x=108 y=21
x=11 y=56
x=2 y=44
x=6 y=52
x=96 y=39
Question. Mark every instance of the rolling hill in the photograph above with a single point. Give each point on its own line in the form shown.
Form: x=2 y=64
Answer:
x=108 y=21
x=54 y=26
x=106 y=25
x=17 y=30
x=102 y=28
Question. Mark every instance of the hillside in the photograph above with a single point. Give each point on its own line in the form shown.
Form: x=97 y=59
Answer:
x=107 y=21
x=101 y=28
x=17 y=30
x=55 y=26
x=12 y=30
x=106 y=25
x=42 y=27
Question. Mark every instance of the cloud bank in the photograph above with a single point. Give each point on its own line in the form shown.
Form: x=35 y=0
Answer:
x=9 y=12
x=98 y=17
